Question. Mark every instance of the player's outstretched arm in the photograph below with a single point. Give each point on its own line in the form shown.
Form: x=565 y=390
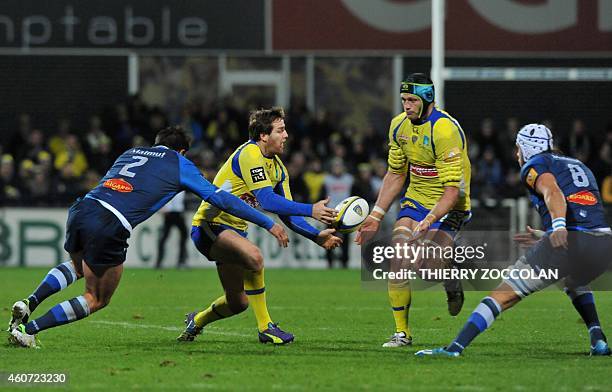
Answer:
x=392 y=185
x=278 y=204
x=547 y=186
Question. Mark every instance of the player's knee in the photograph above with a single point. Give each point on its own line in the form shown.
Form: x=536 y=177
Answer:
x=96 y=303
x=238 y=303
x=255 y=261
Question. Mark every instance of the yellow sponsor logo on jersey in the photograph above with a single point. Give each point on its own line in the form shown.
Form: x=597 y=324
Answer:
x=532 y=175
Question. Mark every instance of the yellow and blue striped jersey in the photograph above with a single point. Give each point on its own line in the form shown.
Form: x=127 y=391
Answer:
x=245 y=171
x=435 y=154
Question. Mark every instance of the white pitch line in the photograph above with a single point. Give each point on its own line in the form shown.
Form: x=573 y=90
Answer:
x=125 y=324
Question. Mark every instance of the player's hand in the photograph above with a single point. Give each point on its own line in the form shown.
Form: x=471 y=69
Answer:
x=322 y=213
x=281 y=235
x=421 y=228
x=327 y=240
x=370 y=225
x=558 y=238
x=529 y=238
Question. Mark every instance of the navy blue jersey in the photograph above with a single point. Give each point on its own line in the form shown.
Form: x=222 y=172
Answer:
x=578 y=184
x=144 y=179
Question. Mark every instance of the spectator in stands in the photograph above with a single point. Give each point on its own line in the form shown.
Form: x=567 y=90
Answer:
x=512 y=187
x=208 y=164
x=363 y=185
x=9 y=189
x=380 y=169
x=98 y=146
x=20 y=138
x=578 y=144
x=314 y=178
x=124 y=131
x=487 y=139
x=72 y=162
x=26 y=171
x=508 y=138
x=40 y=188
x=57 y=142
x=601 y=168
x=338 y=185
x=360 y=152
x=489 y=176
x=298 y=187
x=606 y=188
x=34 y=145
x=157 y=121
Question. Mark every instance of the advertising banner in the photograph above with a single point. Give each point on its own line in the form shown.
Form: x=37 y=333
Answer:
x=35 y=237
x=203 y=24
x=471 y=25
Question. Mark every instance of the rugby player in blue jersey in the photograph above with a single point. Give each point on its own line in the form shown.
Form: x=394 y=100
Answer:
x=577 y=241
x=140 y=182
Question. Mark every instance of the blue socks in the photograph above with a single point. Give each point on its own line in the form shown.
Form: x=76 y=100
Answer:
x=482 y=318
x=63 y=313
x=57 y=279
x=584 y=303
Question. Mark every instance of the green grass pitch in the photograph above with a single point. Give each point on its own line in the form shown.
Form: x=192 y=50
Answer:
x=339 y=328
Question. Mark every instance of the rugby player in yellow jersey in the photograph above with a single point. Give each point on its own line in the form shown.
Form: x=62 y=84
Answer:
x=254 y=173
x=430 y=144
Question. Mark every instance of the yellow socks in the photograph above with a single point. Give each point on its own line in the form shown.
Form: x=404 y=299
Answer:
x=400 y=297
x=255 y=288
x=218 y=310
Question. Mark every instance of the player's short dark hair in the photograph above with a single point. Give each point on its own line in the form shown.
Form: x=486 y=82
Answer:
x=260 y=121
x=419 y=78
x=173 y=137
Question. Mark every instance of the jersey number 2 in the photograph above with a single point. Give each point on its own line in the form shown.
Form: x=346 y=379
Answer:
x=578 y=175
x=139 y=162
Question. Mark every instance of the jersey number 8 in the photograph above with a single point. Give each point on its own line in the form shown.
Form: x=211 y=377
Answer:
x=578 y=175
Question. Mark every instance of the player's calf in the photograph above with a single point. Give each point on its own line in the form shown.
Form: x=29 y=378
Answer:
x=584 y=303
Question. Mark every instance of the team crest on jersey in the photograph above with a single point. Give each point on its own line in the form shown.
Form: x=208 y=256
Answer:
x=258 y=174
x=532 y=175
x=584 y=198
x=425 y=140
x=118 y=184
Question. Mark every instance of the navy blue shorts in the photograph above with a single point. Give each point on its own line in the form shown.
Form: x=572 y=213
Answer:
x=205 y=235
x=587 y=256
x=96 y=232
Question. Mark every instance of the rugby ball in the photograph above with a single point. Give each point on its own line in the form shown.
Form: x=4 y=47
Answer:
x=352 y=211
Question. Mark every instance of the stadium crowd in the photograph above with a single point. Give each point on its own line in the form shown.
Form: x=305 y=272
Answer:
x=51 y=167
